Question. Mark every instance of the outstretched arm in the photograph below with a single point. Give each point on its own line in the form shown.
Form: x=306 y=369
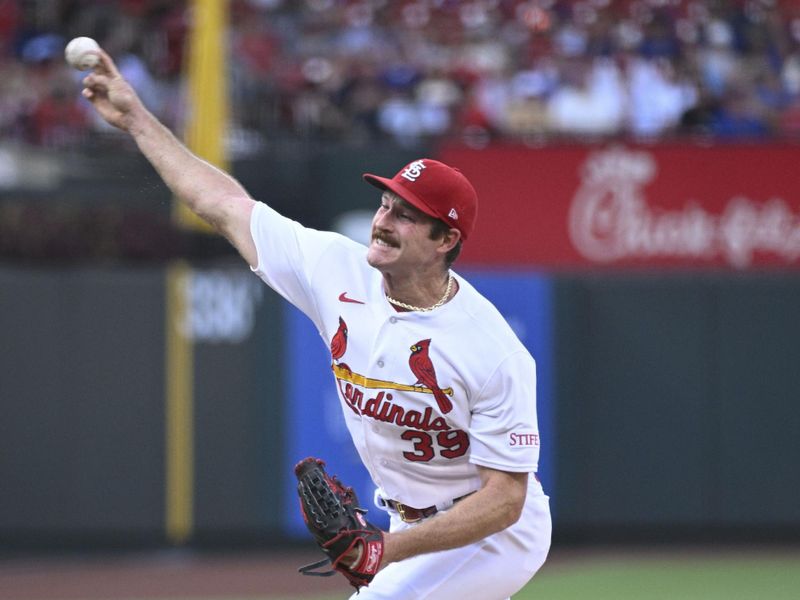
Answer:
x=496 y=506
x=206 y=190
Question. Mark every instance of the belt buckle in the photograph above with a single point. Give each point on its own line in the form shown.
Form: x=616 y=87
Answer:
x=401 y=509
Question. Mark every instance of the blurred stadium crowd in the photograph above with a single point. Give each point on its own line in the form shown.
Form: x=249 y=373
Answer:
x=421 y=70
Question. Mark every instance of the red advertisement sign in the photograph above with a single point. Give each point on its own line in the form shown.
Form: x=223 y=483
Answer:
x=730 y=206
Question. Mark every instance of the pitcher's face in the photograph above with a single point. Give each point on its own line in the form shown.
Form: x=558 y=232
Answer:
x=401 y=237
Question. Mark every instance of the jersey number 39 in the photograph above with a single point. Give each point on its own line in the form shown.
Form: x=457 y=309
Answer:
x=449 y=444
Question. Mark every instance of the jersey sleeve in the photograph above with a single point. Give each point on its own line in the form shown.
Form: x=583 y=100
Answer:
x=504 y=431
x=288 y=253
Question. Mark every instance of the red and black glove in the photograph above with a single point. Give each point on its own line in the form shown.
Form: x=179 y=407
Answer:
x=332 y=515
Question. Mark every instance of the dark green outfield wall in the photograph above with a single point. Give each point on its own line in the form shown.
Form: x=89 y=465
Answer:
x=82 y=390
x=81 y=432
x=678 y=404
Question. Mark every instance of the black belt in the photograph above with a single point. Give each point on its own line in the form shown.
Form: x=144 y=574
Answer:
x=409 y=514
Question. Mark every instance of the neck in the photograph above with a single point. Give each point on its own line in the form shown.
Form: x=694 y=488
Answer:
x=422 y=295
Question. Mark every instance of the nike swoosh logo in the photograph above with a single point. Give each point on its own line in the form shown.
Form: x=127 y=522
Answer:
x=343 y=298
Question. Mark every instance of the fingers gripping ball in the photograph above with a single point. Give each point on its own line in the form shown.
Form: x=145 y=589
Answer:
x=330 y=510
x=81 y=53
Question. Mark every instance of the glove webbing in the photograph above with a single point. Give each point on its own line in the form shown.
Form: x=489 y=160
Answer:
x=311 y=569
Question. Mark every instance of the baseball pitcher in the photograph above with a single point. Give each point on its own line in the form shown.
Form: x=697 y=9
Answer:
x=438 y=393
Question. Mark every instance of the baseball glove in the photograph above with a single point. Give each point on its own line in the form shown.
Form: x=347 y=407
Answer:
x=354 y=547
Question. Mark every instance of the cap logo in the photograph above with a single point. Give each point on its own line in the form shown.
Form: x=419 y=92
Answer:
x=413 y=170
x=453 y=214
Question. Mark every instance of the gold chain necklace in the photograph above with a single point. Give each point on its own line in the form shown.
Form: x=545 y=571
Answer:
x=429 y=308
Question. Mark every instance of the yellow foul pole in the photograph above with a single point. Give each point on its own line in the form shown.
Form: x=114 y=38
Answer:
x=204 y=135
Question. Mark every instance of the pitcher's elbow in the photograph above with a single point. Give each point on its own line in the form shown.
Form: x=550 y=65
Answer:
x=512 y=512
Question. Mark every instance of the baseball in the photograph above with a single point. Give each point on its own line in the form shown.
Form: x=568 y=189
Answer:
x=79 y=53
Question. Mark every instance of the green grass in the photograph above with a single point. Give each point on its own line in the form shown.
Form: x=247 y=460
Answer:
x=670 y=577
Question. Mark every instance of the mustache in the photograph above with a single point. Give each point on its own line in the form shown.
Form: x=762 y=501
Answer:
x=378 y=235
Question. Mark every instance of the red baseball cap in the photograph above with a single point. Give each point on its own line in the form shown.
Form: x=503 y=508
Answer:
x=436 y=189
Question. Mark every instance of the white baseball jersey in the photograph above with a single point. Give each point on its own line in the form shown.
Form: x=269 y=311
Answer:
x=426 y=396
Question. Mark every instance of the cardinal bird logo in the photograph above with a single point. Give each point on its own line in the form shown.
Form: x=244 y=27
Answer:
x=422 y=367
x=339 y=341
